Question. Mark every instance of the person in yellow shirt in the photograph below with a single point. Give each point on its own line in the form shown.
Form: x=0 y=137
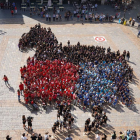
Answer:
x=130 y=19
x=125 y=22
x=122 y=135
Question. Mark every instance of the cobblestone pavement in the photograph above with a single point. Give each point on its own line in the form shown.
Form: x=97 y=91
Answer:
x=117 y=36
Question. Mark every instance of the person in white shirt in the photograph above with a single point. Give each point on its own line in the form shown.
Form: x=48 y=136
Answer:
x=93 y=8
x=96 y=17
x=46 y=136
x=77 y=11
x=58 y=11
x=96 y=6
x=97 y=137
x=57 y=17
x=83 y=11
x=23 y=137
x=103 y=17
x=74 y=13
x=100 y=18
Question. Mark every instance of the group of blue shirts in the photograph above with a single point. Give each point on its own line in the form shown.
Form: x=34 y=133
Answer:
x=95 y=82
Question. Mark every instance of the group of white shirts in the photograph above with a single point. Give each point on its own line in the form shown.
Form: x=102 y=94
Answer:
x=45 y=137
x=48 y=15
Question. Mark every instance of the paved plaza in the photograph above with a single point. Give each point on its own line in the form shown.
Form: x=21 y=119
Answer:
x=117 y=36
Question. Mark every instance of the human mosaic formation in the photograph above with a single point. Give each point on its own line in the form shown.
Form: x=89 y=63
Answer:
x=98 y=76
x=88 y=76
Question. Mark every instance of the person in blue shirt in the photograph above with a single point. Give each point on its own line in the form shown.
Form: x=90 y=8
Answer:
x=69 y=138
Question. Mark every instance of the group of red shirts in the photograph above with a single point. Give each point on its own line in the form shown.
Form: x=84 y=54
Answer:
x=47 y=79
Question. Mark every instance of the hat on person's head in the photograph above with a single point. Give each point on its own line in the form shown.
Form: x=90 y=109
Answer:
x=47 y=132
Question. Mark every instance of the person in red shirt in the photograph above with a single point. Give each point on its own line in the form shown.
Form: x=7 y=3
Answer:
x=50 y=100
x=12 y=12
x=6 y=81
x=22 y=74
x=15 y=10
x=21 y=70
x=24 y=68
x=32 y=102
x=54 y=98
x=18 y=92
x=26 y=101
x=21 y=87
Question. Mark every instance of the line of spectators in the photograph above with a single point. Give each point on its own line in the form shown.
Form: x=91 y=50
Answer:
x=126 y=135
x=82 y=16
x=37 y=136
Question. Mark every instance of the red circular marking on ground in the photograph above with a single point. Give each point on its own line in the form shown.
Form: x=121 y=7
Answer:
x=100 y=39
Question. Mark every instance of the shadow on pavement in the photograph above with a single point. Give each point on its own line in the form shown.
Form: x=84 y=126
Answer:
x=11 y=89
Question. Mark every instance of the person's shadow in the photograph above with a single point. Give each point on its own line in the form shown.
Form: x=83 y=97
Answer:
x=11 y=89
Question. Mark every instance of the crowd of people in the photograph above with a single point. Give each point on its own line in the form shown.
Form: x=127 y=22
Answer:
x=36 y=137
x=64 y=117
x=47 y=80
x=85 y=6
x=102 y=82
x=80 y=15
x=126 y=135
x=96 y=76
x=84 y=13
x=120 y=4
x=88 y=12
x=100 y=119
x=124 y=21
x=37 y=37
x=7 y=5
